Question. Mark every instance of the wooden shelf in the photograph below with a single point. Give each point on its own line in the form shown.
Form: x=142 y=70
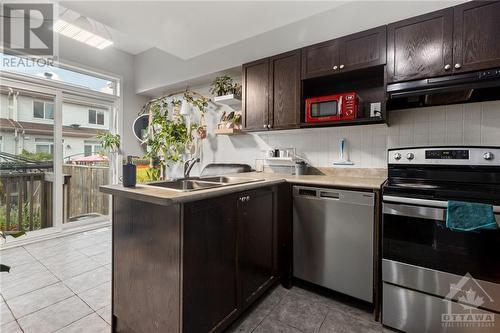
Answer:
x=231 y=100
x=362 y=121
x=228 y=131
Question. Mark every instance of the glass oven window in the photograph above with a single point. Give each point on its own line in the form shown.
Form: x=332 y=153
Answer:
x=324 y=109
x=428 y=243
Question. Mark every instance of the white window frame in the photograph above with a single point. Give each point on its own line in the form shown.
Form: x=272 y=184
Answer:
x=44 y=142
x=44 y=108
x=95 y=147
x=97 y=112
x=61 y=92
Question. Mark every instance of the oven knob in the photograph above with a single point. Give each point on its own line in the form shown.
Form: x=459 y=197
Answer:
x=488 y=156
x=397 y=156
x=410 y=156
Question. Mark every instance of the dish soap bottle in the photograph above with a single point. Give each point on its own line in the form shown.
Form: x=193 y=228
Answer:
x=129 y=173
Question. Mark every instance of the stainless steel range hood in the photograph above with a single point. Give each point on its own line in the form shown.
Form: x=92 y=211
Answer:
x=458 y=88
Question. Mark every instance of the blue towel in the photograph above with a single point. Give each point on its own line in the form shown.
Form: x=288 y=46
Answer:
x=469 y=216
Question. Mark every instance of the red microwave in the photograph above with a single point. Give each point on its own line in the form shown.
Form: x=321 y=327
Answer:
x=345 y=106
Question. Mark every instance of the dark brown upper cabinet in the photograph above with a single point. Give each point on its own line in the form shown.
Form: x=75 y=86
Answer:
x=476 y=36
x=420 y=47
x=320 y=59
x=363 y=49
x=255 y=92
x=356 y=51
x=284 y=109
x=271 y=92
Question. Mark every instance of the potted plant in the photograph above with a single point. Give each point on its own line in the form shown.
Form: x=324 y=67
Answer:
x=224 y=85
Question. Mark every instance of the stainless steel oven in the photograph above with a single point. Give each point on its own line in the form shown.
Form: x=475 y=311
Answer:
x=429 y=271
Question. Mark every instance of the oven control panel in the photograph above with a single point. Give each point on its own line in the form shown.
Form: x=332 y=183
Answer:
x=445 y=156
x=448 y=154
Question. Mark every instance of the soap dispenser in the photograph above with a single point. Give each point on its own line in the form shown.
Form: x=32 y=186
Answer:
x=129 y=173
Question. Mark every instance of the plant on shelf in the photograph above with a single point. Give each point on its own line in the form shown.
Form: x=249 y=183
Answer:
x=224 y=85
x=201 y=104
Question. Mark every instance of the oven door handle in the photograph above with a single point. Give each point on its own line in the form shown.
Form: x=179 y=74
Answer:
x=424 y=202
x=430 y=213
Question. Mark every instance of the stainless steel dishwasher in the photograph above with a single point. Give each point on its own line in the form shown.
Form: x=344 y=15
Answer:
x=333 y=239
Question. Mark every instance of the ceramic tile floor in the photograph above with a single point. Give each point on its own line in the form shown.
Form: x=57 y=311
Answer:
x=58 y=285
x=63 y=285
x=301 y=311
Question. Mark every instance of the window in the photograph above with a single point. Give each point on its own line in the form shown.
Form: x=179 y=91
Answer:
x=91 y=148
x=45 y=146
x=43 y=110
x=96 y=117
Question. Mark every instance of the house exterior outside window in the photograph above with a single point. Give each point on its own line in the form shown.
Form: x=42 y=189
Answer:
x=92 y=148
x=43 y=145
x=96 y=117
x=43 y=110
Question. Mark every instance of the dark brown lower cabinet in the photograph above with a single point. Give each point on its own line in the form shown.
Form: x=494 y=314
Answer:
x=210 y=264
x=256 y=242
x=229 y=257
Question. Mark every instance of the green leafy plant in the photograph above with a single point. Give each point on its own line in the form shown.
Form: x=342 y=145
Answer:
x=224 y=85
x=36 y=156
x=109 y=141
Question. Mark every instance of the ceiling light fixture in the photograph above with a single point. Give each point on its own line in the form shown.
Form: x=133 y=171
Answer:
x=81 y=35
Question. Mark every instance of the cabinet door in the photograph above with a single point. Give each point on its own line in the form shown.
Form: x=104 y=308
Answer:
x=210 y=292
x=476 y=36
x=285 y=90
x=364 y=49
x=256 y=242
x=320 y=59
x=420 y=47
x=256 y=95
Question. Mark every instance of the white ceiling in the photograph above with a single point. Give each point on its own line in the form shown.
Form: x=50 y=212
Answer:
x=188 y=29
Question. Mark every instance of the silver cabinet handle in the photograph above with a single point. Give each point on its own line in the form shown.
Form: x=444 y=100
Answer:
x=265 y=125
x=447 y=67
x=247 y=198
x=341 y=66
x=458 y=66
x=268 y=126
x=335 y=67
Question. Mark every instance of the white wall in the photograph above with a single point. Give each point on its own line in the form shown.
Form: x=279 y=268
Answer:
x=111 y=61
x=155 y=69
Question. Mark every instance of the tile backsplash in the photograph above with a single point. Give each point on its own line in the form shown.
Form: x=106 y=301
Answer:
x=461 y=124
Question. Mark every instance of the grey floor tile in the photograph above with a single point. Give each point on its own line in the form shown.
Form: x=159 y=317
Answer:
x=301 y=312
x=68 y=270
x=273 y=326
x=105 y=313
x=98 y=297
x=21 y=272
x=49 y=251
x=108 y=266
x=96 y=249
x=338 y=321
x=55 y=317
x=15 y=257
x=43 y=244
x=90 y=324
x=102 y=258
x=89 y=280
x=11 y=327
x=38 y=299
x=5 y=314
x=27 y=284
x=65 y=257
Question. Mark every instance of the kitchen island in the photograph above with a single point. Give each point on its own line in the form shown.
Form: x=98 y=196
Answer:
x=195 y=261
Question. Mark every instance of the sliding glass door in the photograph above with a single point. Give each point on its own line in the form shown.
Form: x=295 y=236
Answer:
x=27 y=188
x=51 y=159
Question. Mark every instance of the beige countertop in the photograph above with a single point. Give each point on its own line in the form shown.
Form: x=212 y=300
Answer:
x=162 y=196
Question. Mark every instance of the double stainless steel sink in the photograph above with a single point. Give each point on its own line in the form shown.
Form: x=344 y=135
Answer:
x=202 y=183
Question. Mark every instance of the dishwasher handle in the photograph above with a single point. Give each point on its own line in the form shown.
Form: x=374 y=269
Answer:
x=316 y=193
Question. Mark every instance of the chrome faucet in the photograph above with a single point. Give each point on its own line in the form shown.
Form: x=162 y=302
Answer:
x=189 y=164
